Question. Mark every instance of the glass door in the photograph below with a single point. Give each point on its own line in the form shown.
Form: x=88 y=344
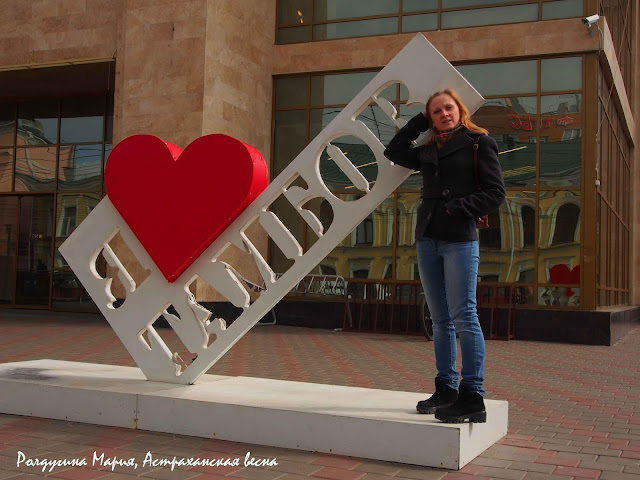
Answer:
x=33 y=275
x=8 y=238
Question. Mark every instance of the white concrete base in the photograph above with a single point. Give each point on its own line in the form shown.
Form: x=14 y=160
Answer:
x=359 y=422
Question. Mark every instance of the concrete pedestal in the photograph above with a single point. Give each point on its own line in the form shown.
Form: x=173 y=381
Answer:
x=359 y=422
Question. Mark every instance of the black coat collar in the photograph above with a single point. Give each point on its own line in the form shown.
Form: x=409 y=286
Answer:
x=431 y=153
x=458 y=141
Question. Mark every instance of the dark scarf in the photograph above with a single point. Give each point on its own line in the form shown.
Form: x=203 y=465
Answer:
x=444 y=137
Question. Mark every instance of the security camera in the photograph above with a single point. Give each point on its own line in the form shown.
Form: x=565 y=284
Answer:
x=591 y=20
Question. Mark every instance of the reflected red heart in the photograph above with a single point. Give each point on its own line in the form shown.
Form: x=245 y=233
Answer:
x=561 y=274
x=178 y=202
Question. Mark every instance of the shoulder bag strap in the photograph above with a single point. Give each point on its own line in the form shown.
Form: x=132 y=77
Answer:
x=475 y=162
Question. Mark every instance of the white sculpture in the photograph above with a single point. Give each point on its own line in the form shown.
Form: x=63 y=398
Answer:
x=419 y=66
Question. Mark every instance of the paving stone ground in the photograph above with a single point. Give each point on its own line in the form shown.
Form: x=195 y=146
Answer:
x=572 y=408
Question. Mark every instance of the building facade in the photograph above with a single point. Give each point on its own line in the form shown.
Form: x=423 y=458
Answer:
x=76 y=77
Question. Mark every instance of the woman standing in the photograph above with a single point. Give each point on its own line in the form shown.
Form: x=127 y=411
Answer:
x=447 y=243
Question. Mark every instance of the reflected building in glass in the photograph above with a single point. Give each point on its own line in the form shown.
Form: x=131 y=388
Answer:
x=560 y=103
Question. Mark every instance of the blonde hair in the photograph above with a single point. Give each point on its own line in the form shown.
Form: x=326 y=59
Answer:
x=465 y=118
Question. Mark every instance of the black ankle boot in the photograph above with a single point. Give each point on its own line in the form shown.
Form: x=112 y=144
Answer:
x=444 y=396
x=469 y=405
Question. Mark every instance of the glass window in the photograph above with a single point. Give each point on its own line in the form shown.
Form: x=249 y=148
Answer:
x=338 y=9
x=471 y=3
x=378 y=122
x=528 y=217
x=561 y=74
x=292 y=92
x=292 y=12
x=511 y=121
x=491 y=238
x=406 y=262
x=419 y=23
x=566 y=227
x=292 y=220
x=354 y=256
x=8 y=239
x=502 y=78
x=338 y=89
x=82 y=119
x=80 y=167
x=490 y=16
x=293 y=35
x=358 y=28
x=561 y=155
x=108 y=133
x=290 y=138
x=323 y=211
x=6 y=169
x=34 y=250
x=503 y=252
x=419 y=5
x=360 y=156
x=559 y=238
x=7 y=123
x=35 y=168
x=71 y=210
x=38 y=122
x=68 y=293
x=562 y=9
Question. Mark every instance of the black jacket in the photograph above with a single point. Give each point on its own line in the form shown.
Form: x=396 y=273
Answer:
x=449 y=180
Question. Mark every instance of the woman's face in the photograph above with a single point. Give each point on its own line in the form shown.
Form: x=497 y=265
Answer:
x=444 y=112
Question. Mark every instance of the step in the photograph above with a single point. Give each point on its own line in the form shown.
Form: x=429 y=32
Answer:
x=352 y=421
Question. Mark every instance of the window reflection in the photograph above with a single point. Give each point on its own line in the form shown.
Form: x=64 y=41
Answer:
x=419 y=23
x=561 y=154
x=71 y=210
x=513 y=123
x=358 y=28
x=8 y=239
x=32 y=159
x=292 y=12
x=34 y=250
x=82 y=119
x=68 y=293
x=344 y=19
x=292 y=220
x=490 y=16
x=562 y=9
x=290 y=138
x=559 y=238
x=367 y=251
x=378 y=122
x=35 y=168
x=358 y=153
x=419 y=5
x=406 y=260
x=291 y=92
x=80 y=167
x=338 y=9
x=6 y=169
x=294 y=35
x=530 y=234
x=502 y=78
x=561 y=74
x=7 y=123
x=470 y=3
x=38 y=122
x=338 y=89
x=505 y=250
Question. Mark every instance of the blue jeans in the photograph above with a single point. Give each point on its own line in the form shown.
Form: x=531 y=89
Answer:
x=449 y=274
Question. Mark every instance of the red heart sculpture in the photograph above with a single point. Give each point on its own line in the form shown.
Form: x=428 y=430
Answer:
x=178 y=202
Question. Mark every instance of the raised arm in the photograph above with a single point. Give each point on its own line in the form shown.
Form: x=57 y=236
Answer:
x=399 y=150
